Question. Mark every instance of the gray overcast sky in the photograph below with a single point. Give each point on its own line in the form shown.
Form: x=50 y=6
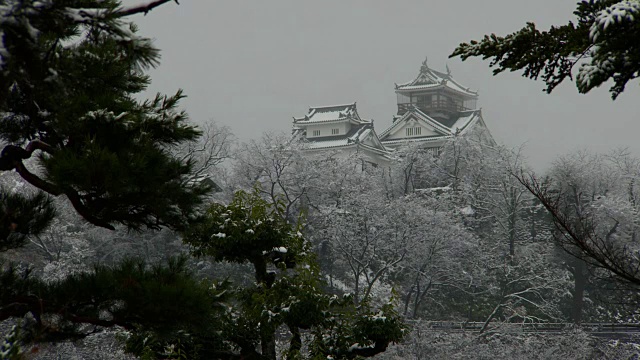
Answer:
x=252 y=65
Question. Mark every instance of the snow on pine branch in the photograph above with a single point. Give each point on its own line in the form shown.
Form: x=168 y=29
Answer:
x=13 y=13
x=142 y=7
x=618 y=13
x=609 y=26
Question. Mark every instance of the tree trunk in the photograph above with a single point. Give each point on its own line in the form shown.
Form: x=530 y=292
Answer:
x=513 y=218
x=295 y=345
x=268 y=342
x=580 y=283
x=407 y=300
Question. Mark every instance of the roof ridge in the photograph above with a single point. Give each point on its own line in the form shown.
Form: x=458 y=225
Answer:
x=331 y=106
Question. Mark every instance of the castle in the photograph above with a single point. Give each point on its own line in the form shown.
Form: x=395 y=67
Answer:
x=432 y=108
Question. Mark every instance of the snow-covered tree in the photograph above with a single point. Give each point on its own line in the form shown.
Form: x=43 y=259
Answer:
x=287 y=289
x=411 y=168
x=438 y=259
x=277 y=164
x=591 y=199
x=69 y=74
x=603 y=43
x=72 y=128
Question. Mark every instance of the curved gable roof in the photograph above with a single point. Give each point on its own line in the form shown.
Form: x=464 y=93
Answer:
x=322 y=114
x=429 y=78
x=420 y=116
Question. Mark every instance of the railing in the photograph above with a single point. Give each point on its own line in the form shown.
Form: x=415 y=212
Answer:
x=437 y=105
x=605 y=330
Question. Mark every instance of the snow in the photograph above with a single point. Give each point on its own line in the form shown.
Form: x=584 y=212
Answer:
x=328 y=143
x=619 y=12
x=81 y=15
x=147 y=4
x=359 y=135
x=606 y=20
x=331 y=113
x=379 y=316
x=467 y=211
x=463 y=121
x=588 y=72
x=328 y=116
x=431 y=79
x=280 y=249
x=357 y=346
x=438 y=189
x=220 y=235
x=418 y=87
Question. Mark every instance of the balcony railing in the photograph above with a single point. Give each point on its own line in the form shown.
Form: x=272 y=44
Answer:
x=437 y=105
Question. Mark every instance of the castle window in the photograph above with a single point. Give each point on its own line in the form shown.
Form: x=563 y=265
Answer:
x=316 y=132
x=414 y=131
x=423 y=100
x=335 y=131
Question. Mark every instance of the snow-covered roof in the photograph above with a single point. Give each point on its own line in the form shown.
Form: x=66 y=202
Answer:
x=362 y=136
x=443 y=129
x=423 y=139
x=323 y=114
x=355 y=135
x=432 y=79
x=465 y=119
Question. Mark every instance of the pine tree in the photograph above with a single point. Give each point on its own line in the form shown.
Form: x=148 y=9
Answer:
x=69 y=73
x=162 y=299
x=71 y=126
x=287 y=290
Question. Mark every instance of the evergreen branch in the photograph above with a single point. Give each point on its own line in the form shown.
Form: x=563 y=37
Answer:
x=39 y=145
x=53 y=189
x=142 y=8
x=85 y=212
x=36 y=181
x=30 y=304
x=11 y=158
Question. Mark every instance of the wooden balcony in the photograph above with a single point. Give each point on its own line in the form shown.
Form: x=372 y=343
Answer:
x=444 y=106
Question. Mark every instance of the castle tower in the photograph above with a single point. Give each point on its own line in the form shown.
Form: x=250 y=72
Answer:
x=431 y=108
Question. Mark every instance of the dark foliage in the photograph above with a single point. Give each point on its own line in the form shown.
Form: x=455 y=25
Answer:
x=604 y=42
x=69 y=74
x=288 y=289
x=132 y=295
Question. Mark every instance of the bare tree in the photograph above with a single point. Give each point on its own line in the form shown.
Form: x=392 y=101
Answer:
x=278 y=166
x=436 y=263
x=208 y=152
x=595 y=226
x=369 y=237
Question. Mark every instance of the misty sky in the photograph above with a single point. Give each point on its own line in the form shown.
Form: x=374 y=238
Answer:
x=253 y=65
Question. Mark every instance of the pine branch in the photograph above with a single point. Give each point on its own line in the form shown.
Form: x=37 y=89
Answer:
x=36 y=181
x=85 y=212
x=142 y=8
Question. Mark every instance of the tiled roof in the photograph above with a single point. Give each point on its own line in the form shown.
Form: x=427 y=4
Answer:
x=416 y=139
x=428 y=78
x=322 y=114
x=419 y=114
x=353 y=136
x=446 y=127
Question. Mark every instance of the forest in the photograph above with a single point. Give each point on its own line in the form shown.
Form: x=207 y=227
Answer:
x=126 y=231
